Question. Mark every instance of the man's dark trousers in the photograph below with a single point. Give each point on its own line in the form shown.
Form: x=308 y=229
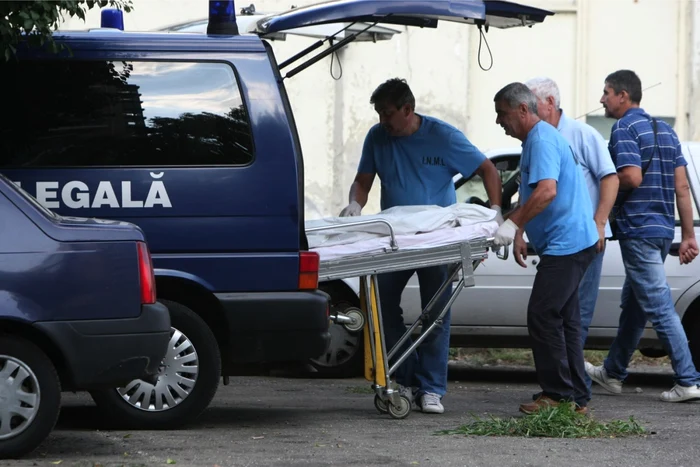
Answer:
x=554 y=324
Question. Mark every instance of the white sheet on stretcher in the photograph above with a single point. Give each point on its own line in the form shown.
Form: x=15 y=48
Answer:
x=415 y=227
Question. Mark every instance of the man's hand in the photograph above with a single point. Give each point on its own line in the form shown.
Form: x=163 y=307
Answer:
x=600 y=247
x=520 y=250
x=688 y=250
x=352 y=209
x=499 y=214
x=505 y=233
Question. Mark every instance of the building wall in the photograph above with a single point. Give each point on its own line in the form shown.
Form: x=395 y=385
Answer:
x=583 y=42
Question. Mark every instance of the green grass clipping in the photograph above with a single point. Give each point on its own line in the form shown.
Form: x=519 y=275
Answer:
x=553 y=422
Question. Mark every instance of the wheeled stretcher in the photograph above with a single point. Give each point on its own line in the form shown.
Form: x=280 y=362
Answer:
x=461 y=256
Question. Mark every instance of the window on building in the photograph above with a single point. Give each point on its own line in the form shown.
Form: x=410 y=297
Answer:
x=108 y=113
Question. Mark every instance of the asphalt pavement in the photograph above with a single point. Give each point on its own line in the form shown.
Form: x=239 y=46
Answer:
x=303 y=420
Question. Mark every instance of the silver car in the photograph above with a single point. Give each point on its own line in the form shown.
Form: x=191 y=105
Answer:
x=493 y=312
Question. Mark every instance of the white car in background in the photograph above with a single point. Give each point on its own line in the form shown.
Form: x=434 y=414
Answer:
x=493 y=312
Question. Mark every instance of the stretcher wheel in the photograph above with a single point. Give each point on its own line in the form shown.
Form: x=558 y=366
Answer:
x=402 y=410
x=358 y=320
x=380 y=404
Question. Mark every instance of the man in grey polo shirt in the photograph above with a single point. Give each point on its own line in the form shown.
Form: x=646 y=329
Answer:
x=601 y=179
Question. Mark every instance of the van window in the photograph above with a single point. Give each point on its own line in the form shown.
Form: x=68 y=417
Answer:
x=102 y=113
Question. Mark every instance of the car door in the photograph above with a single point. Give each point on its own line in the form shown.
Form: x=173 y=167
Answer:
x=679 y=277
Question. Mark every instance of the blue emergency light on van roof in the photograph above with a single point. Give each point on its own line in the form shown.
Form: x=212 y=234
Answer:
x=112 y=18
x=222 y=17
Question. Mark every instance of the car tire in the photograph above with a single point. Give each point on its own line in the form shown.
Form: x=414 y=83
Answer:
x=345 y=355
x=23 y=362
x=692 y=331
x=145 y=405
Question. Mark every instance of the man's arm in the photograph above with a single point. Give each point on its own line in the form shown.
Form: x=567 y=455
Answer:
x=630 y=177
x=543 y=175
x=683 y=200
x=492 y=182
x=609 y=186
x=541 y=197
x=366 y=170
x=597 y=159
x=688 y=250
x=359 y=190
x=628 y=157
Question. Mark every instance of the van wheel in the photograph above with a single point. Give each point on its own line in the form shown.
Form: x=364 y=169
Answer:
x=188 y=379
x=30 y=397
x=344 y=357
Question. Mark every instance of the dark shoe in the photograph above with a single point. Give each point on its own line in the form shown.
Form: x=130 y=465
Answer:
x=581 y=410
x=540 y=403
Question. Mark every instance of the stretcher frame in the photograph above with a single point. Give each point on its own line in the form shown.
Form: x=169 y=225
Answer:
x=460 y=257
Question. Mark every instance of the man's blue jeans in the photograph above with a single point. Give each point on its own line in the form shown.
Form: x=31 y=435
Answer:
x=426 y=368
x=587 y=297
x=646 y=296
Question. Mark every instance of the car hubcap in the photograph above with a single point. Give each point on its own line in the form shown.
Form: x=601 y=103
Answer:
x=19 y=396
x=343 y=346
x=176 y=378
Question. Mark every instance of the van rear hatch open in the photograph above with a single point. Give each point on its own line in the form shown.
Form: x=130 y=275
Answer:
x=421 y=13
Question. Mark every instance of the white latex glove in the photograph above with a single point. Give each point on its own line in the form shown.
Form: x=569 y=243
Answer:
x=352 y=209
x=499 y=214
x=505 y=233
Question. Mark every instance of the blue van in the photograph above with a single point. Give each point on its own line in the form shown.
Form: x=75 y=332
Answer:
x=78 y=311
x=192 y=138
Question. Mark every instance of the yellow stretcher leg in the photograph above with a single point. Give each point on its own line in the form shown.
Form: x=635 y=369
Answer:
x=374 y=358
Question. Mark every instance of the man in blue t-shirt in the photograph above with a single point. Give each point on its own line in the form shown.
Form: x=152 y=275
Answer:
x=415 y=157
x=601 y=178
x=651 y=169
x=556 y=213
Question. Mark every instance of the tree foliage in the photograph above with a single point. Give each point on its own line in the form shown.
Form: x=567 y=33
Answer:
x=38 y=19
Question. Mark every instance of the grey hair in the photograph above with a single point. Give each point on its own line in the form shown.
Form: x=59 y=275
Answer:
x=543 y=88
x=515 y=94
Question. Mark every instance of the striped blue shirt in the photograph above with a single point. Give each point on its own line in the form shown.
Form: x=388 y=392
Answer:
x=648 y=211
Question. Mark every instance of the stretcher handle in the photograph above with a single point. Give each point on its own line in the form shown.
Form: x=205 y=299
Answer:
x=497 y=250
x=392 y=237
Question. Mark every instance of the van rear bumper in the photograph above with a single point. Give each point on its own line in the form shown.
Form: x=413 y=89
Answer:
x=276 y=326
x=111 y=352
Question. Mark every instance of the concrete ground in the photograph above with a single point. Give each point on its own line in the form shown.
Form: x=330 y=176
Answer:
x=283 y=421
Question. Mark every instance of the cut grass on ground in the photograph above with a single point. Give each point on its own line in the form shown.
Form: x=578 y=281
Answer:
x=553 y=422
x=523 y=357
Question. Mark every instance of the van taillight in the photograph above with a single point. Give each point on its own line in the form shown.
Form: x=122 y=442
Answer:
x=308 y=270
x=146 y=275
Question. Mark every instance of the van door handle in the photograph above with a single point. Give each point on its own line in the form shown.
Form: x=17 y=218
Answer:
x=675 y=249
x=531 y=251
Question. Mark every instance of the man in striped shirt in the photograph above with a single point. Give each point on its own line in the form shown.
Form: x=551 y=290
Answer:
x=651 y=169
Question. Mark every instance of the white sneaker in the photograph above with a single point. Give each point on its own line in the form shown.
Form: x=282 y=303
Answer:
x=430 y=403
x=600 y=376
x=681 y=393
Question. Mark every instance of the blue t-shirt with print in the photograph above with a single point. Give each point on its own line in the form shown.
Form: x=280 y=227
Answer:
x=566 y=225
x=418 y=169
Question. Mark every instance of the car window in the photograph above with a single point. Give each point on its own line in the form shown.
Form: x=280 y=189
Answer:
x=32 y=200
x=72 y=113
x=474 y=187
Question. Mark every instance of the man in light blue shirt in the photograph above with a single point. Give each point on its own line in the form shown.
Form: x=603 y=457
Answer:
x=415 y=157
x=556 y=212
x=601 y=178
